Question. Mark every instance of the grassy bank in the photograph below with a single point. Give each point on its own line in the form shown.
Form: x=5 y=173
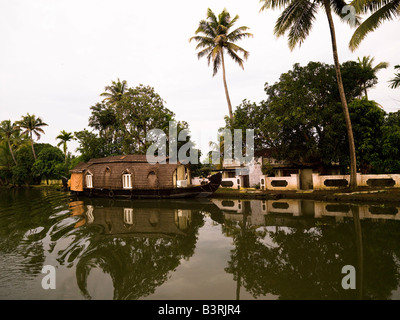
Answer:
x=361 y=195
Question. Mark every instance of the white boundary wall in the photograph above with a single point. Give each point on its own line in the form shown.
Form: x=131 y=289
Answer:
x=293 y=182
x=319 y=181
x=362 y=179
x=235 y=181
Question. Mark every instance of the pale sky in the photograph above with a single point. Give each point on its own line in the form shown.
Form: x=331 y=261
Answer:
x=57 y=56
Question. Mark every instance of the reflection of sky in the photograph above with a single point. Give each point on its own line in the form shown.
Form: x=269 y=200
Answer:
x=203 y=276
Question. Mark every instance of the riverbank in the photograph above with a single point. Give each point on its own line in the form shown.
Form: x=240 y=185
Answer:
x=388 y=195
x=378 y=196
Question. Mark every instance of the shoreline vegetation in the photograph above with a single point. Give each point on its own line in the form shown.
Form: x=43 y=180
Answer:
x=361 y=195
x=317 y=115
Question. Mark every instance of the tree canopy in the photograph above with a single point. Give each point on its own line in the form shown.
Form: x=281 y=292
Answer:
x=121 y=124
x=301 y=119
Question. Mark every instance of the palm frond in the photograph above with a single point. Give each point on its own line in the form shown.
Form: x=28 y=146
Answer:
x=233 y=21
x=235 y=57
x=298 y=18
x=387 y=12
x=274 y=4
x=368 y=6
x=380 y=66
x=206 y=28
x=235 y=48
x=204 y=52
x=346 y=12
x=37 y=133
x=213 y=35
x=211 y=16
x=239 y=34
x=216 y=57
x=395 y=82
x=224 y=18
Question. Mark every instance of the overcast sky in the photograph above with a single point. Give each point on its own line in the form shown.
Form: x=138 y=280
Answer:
x=57 y=56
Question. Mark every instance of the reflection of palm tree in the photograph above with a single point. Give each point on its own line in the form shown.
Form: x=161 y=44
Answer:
x=359 y=243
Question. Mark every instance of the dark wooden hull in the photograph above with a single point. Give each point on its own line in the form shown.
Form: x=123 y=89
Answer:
x=202 y=191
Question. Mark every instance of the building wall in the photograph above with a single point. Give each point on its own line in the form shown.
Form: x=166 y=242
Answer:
x=278 y=183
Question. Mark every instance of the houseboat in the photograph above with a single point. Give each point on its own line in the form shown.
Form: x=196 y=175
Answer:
x=132 y=176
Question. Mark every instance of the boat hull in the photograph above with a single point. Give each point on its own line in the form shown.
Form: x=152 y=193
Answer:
x=202 y=191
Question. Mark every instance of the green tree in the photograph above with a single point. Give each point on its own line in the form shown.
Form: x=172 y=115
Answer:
x=214 y=37
x=7 y=130
x=395 y=82
x=49 y=164
x=368 y=119
x=381 y=11
x=301 y=120
x=366 y=65
x=297 y=18
x=121 y=126
x=389 y=162
x=64 y=138
x=32 y=124
x=5 y=163
x=90 y=145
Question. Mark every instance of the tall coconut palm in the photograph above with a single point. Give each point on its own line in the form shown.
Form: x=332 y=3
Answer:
x=114 y=93
x=64 y=137
x=297 y=19
x=31 y=124
x=381 y=11
x=395 y=82
x=215 y=37
x=7 y=130
x=366 y=64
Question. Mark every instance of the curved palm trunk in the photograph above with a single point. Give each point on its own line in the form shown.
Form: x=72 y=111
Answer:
x=12 y=153
x=226 y=87
x=33 y=148
x=352 y=149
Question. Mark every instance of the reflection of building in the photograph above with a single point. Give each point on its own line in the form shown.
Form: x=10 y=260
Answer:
x=290 y=212
x=135 y=221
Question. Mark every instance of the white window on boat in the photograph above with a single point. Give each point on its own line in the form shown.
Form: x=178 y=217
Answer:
x=89 y=180
x=127 y=181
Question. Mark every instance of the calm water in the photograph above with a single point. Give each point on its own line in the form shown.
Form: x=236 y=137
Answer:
x=203 y=250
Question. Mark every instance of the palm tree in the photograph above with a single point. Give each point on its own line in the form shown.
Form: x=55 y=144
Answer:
x=381 y=10
x=395 y=82
x=7 y=129
x=366 y=65
x=114 y=93
x=31 y=124
x=214 y=37
x=64 y=137
x=298 y=18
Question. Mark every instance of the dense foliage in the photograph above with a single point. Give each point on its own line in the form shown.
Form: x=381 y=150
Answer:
x=301 y=119
x=122 y=121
